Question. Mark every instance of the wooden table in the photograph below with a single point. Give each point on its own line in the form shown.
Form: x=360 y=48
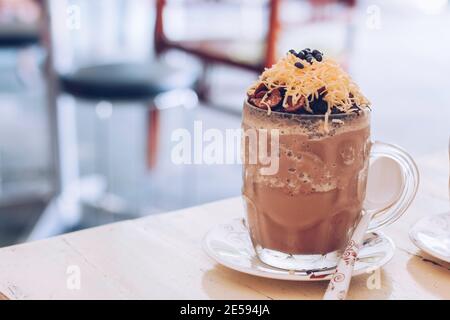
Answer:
x=160 y=257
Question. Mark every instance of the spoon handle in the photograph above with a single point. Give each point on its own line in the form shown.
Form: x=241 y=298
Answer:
x=339 y=284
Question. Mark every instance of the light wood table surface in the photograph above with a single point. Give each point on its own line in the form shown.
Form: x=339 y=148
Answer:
x=160 y=257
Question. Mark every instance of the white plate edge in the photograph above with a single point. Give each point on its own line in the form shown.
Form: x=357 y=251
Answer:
x=293 y=277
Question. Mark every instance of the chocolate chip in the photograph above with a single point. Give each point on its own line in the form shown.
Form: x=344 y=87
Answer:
x=309 y=58
x=315 y=52
x=336 y=110
x=301 y=55
x=299 y=65
x=305 y=53
x=318 y=57
x=322 y=91
x=319 y=106
x=292 y=51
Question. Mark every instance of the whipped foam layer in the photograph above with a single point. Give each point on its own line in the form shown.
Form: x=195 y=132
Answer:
x=312 y=161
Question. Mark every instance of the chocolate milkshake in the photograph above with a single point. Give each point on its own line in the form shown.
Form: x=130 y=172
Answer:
x=302 y=216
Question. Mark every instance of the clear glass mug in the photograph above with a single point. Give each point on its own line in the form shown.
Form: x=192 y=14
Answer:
x=304 y=184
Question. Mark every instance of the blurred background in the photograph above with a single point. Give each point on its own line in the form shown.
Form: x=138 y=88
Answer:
x=91 y=92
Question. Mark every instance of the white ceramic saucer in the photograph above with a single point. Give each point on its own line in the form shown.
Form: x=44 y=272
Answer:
x=230 y=245
x=432 y=235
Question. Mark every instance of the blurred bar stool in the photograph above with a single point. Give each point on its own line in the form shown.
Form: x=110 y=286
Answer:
x=19 y=23
x=103 y=86
x=18 y=36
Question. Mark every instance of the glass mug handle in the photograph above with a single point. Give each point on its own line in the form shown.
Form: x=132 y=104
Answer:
x=391 y=191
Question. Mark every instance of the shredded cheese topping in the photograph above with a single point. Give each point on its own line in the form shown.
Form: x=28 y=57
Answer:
x=341 y=91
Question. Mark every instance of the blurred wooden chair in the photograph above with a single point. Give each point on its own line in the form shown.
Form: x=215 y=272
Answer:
x=215 y=51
